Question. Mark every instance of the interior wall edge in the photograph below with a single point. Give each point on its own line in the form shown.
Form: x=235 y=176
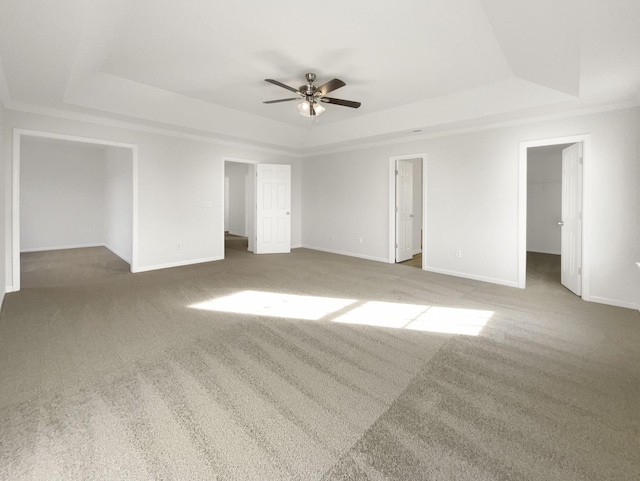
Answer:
x=168 y=265
x=345 y=253
x=473 y=277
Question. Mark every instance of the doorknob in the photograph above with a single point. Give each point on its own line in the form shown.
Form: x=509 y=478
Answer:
x=560 y=223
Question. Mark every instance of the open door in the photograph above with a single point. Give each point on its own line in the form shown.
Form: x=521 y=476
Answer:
x=404 y=210
x=273 y=209
x=571 y=223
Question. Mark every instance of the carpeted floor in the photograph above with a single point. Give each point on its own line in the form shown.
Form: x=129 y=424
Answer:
x=268 y=367
x=415 y=261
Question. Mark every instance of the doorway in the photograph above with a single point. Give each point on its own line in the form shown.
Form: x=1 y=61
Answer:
x=266 y=215
x=92 y=203
x=407 y=174
x=237 y=207
x=552 y=201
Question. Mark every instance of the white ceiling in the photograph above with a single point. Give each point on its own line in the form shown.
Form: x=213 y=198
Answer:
x=428 y=65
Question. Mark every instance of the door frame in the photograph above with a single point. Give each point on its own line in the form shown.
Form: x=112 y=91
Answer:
x=13 y=263
x=585 y=139
x=392 y=205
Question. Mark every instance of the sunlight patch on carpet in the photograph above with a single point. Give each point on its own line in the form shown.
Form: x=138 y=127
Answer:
x=290 y=306
x=417 y=317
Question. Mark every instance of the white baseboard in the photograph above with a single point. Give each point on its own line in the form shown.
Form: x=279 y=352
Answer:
x=542 y=251
x=349 y=254
x=59 y=248
x=474 y=277
x=119 y=254
x=176 y=264
x=417 y=251
x=614 y=302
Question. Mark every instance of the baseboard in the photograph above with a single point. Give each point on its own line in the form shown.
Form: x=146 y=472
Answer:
x=176 y=264
x=474 y=277
x=349 y=254
x=539 y=251
x=614 y=302
x=119 y=254
x=59 y=248
x=417 y=251
x=296 y=246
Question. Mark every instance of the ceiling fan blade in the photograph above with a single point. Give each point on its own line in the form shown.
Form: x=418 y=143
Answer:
x=280 y=84
x=279 y=100
x=344 y=103
x=330 y=86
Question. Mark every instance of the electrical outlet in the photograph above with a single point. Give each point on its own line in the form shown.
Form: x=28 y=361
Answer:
x=458 y=254
x=360 y=240
x=179 y=245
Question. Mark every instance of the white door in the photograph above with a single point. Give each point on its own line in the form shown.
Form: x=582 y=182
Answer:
x=404 y=210
x=273 y=209
x=571 y=223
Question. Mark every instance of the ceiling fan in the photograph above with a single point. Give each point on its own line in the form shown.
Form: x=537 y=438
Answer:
x=311 y=96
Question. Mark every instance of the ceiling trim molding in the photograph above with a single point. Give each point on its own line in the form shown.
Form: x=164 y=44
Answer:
x=478 y=128
x=5 y=98
x=314 y=151
x=141 y=127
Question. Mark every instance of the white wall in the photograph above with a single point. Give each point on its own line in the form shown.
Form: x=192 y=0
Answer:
x=237 y=174
x=4 y=192
x=346 y=196
x=544 y=200
x=176 y=176
x=61 y=195
x=417 y=205
x=472 y=201
x=638 y=203
x=118 y=202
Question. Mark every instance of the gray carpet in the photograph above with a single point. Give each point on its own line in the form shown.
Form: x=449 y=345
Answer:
x=109 y=375
x=415 y=261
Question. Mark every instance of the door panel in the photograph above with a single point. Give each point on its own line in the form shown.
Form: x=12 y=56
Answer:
x=404 y=210
x=273 y=216
x=571 y=243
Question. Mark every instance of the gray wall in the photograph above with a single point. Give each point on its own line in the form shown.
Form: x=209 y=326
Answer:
x=544 y=200
x=118 y=202
x=237 y=173
x=61 y=195
x=472 y=198
x=179 y=183
x=417 y=205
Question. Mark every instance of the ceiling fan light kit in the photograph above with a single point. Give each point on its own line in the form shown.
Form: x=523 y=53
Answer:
x=311 y=96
